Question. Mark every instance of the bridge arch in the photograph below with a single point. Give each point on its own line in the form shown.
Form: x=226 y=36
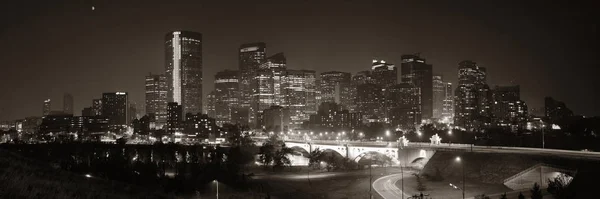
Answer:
x=357 y=153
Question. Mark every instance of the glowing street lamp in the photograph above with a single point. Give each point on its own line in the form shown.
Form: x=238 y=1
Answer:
x=387 y=133
x=458 y=160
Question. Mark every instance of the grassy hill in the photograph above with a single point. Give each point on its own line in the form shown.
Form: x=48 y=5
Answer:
x=22 y=177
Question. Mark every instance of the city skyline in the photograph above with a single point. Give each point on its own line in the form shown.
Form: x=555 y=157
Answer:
x=100 y=69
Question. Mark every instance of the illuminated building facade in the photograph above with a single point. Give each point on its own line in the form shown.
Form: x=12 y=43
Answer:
x=47 y=107
x=68 y=103
x=115 y=108
x=416 y=71
x=211 y=104
x=369 y=98
x=448 y=106
x=508 y=109
x=439 y=95
x=174 y=118
x=226 y=96
x=402 y=103
x=156 y=99
x=251 y=57
x=384 y=74
x=472 y=104
x=183 y=55
x=335 y=87
x=97 y=106
x=300 y=94
x=200 y=125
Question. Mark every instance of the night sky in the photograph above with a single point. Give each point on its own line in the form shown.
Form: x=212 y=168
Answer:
x=53 y=47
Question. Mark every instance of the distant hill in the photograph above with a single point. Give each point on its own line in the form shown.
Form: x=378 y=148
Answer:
x=22 y=177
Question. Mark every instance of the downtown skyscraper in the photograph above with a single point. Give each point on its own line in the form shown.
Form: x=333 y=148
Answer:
x=335 y=86
x=156 y=99
x=415 y=71
x=115 y=108
x=47 y=107
x=251 y=56
x=183 y=56
x=226 y=95
x=439 y=95
x=472 y=97
x=300 y=95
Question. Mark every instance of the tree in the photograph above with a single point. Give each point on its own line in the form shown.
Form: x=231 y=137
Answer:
x=559 y=187
x=503 y=196
x=536 y=192
x=420 y=185
x=314 y=158
x=274 y=152
x=521 y=196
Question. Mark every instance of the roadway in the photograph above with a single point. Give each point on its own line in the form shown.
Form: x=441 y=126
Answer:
x=386 y=187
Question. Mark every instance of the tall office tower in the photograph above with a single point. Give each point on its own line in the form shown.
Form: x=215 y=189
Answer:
x=226 y=95
x=47 y=107
x=361 y=77
x=174 y=118
x=417 y=72
x=508 y=109
x=335 y=87
x=277 y=65
x=211 y=104
x=556 y=111
x=263 y=95
x=448 y=106
x=384 y=74
x=472 y=97
x=300 y=95
x=183 y=55
x=439 y=95
x=251 y=56
x=156 y=99
x=402 y=103
x=369 y=98
x=68 y=103
x=114 y=107
x=97 y=107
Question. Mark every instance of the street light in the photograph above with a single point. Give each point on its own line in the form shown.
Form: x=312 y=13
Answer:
x=217 y=188
x=463 y=175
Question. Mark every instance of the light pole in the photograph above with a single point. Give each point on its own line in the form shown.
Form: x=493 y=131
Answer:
x=463 y=176
x=370 y=177
x=402 y=178
x=217 y=188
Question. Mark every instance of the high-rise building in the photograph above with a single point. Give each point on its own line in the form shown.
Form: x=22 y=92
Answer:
x=417 y=72
x=251 y=57
x=132 y=112
x=300 y=95
x=472 y=105
x=97 y=107
x=226 y=95
x=402 y=105
x=115 y=108
x=174 y=118
x=184 y=69
x=335 y=87
x=448 y=106
x=200 y=125
x=384 y=74
x=508 y=109
x=362 y=77
x=332 y=117
x=68 y=103
x=263 y=95
x=277 y=65
x=439 y=95
x=211 y=104
x=369 y=98
x=156 y=99
x=47 y=107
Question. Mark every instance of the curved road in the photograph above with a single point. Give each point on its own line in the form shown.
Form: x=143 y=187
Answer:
x=386 y=187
